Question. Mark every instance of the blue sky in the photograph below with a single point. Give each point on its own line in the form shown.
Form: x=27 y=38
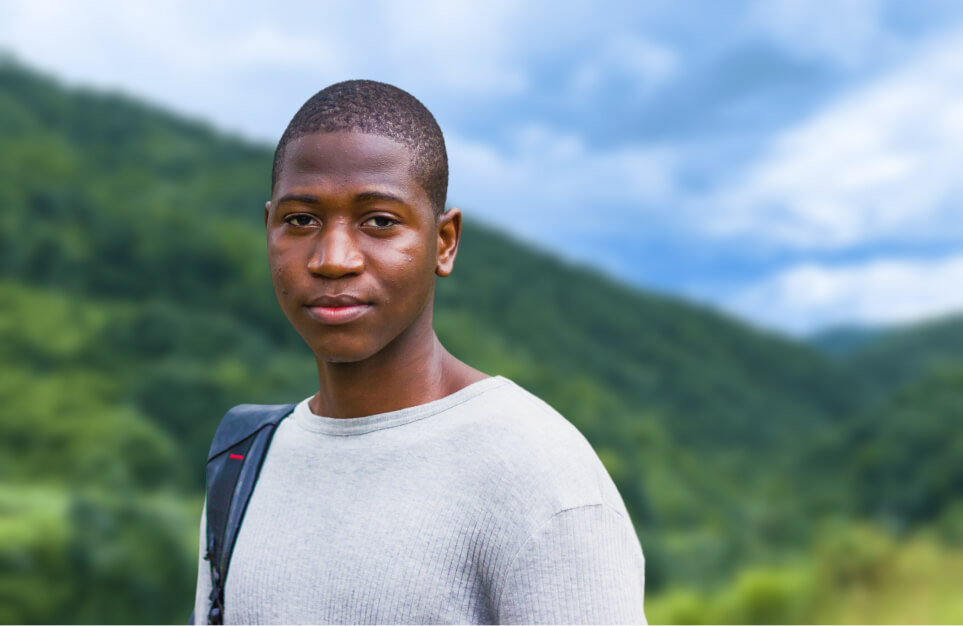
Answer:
x=795 y=163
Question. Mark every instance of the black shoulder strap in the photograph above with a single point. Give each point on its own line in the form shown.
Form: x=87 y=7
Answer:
x=233 y=464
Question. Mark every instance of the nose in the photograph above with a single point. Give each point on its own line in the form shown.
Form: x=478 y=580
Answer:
x=336 y=254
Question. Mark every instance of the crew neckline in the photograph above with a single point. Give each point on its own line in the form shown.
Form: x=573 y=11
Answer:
x=347 y=426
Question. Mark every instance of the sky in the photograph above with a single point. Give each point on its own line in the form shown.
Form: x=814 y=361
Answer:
x=794 y=163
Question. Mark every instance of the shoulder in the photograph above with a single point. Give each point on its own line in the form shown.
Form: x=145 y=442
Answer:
x=561 y=514
x=244 y=420
x=535 y=453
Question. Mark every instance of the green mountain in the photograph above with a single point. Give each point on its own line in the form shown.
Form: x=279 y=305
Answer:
x=898 y=462
x=842 y=340
x=136 y=307
x=904 y=354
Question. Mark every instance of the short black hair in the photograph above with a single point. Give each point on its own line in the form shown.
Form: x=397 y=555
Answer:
x=373 y=108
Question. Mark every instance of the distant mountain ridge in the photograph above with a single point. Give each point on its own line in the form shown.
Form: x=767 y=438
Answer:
x=839 y=341
x=889 y=358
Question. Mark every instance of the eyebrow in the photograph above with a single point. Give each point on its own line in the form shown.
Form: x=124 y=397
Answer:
x=364 y=196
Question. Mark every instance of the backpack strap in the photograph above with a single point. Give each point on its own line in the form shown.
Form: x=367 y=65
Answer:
x=233 y=464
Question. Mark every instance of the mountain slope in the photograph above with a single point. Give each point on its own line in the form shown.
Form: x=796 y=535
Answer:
x=902 y=355
x=722 y=382
x=841 y=341
x=903 y=463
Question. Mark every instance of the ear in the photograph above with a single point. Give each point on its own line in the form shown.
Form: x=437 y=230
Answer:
x=449 y=232
x=267 y=210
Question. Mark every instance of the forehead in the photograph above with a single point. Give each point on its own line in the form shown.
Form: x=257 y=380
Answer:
x=349 y=160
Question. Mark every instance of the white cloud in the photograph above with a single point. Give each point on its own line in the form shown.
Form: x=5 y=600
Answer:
x=808 y=297
x=550 y=186
x=469 y=47
x=883 y=162
x=636 y=59
x=848 y=34
x=243 y=63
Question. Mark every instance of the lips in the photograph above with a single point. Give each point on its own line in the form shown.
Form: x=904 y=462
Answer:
x=338 y=309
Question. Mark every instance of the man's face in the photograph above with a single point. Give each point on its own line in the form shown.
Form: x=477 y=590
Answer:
x=353 y=245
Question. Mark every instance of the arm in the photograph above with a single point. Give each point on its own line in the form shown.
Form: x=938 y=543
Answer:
x=583 y=566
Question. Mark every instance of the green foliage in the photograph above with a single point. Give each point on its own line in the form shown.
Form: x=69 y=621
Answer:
x=91 y=557
x=761 y=595
x=129 y=559
x=903 y=466
x=901 y=355
x=842 y=341
x=853 y=574
x=34 y=573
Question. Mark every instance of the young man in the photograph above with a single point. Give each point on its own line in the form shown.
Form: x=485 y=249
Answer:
x=411 y=488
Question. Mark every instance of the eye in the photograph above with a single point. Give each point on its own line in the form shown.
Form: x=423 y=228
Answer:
x=380 y=222
x=300 y=219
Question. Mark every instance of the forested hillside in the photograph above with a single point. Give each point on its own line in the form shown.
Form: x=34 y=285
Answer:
x=136 y=307
x=892 y=357
x=843 y=340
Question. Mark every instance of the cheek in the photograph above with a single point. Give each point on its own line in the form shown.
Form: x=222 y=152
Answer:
x=413 y=261
x=279 y=277
x=400 y=258
x=280 y=286
x=420 y=251
x=405 y=273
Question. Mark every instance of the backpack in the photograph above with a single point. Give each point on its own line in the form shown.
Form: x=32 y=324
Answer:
x=233 y=464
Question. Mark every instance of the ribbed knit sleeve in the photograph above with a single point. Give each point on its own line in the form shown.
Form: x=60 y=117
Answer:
x=202 y=601
x=583 y=566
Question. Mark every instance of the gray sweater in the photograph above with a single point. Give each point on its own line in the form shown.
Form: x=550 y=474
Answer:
x=485 y=506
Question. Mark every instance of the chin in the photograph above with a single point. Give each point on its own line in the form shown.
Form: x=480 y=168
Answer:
x=341 y=354
x=337 y=359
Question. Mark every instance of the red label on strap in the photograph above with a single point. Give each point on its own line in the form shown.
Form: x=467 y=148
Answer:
x=236 y=456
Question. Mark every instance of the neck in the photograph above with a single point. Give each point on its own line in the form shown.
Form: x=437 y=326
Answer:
x=407 y=373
